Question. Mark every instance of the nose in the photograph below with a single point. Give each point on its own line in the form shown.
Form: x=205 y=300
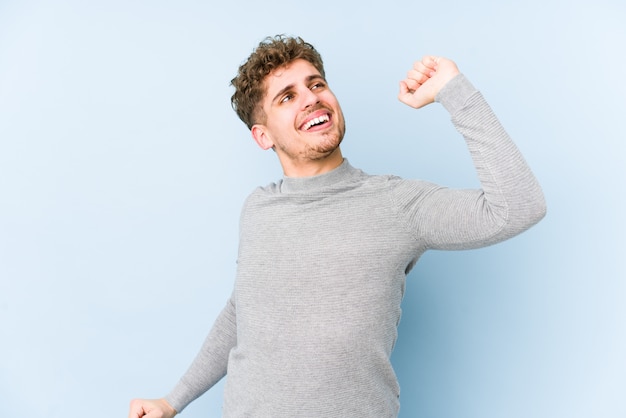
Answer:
x=309 y=98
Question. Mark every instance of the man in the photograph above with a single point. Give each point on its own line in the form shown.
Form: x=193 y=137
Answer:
x=324 y=253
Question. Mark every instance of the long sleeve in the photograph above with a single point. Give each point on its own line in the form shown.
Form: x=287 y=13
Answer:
x=509 y=201
x=211 y=363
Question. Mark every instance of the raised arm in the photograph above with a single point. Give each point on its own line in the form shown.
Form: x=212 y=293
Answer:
x=510 y=199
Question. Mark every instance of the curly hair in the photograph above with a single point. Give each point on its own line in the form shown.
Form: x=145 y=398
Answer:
x=273 y=52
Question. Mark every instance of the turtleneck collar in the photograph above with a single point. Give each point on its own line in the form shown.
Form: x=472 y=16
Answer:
x=307 y=184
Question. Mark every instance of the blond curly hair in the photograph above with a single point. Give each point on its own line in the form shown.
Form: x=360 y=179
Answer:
x=273 y=52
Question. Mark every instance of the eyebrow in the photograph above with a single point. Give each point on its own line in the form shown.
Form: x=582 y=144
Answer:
x=290 y=86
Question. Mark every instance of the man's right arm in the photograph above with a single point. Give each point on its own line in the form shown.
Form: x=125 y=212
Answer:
x=211 y=363
x=151 y=408
x=206 y=370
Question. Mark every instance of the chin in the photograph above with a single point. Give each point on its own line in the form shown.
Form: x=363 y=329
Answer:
x=329 y=144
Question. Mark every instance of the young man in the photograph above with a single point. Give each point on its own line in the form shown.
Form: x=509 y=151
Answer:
x=324 y=253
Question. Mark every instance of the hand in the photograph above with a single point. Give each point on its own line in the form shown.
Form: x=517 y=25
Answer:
x=425 y=80
x=151 y=408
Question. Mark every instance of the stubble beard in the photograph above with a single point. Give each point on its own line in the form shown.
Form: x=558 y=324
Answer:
x=330 y=141
x=326 y=147
x=319 y=150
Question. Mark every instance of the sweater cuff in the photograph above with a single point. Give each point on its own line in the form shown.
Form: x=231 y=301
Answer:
x=179 y=397
x=455 y=93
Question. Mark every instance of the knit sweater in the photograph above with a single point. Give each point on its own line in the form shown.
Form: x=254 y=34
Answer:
x=322 y=263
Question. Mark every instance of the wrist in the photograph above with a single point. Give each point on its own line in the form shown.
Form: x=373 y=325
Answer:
x=454 y=94
x=168 y=410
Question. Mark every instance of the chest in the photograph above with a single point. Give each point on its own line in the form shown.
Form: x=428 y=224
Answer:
x=325 y=255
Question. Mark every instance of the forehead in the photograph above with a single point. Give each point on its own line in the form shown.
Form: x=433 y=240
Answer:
x=298 y=71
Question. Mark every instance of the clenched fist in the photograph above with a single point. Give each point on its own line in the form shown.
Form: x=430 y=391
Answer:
x=425 y=80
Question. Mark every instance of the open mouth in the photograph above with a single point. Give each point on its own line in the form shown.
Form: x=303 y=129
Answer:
x=315 y=122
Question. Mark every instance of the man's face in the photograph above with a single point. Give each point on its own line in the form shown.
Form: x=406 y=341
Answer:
x=303 y=119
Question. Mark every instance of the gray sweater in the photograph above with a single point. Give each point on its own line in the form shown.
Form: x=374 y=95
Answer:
x=312 y=321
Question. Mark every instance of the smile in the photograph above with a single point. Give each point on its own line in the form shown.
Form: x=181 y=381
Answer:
x=315 y=121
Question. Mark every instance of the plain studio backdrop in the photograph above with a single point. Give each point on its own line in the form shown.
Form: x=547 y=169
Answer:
x=123 y=170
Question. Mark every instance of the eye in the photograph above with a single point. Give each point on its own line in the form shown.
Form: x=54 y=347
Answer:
x=318 y=85
x=286 y=98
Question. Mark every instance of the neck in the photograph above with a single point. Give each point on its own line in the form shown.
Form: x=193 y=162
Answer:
x=313 y=167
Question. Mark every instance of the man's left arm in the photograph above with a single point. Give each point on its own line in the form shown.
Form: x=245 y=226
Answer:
x=510 y=199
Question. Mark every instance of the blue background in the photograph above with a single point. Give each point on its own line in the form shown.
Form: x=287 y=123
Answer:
x=123 y=170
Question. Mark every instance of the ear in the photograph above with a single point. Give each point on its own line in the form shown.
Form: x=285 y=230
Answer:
x=261 y=137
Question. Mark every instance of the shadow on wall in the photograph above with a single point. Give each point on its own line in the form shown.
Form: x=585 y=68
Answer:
x=460 y=326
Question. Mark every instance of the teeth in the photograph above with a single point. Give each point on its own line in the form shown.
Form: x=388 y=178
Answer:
x=316 y=121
